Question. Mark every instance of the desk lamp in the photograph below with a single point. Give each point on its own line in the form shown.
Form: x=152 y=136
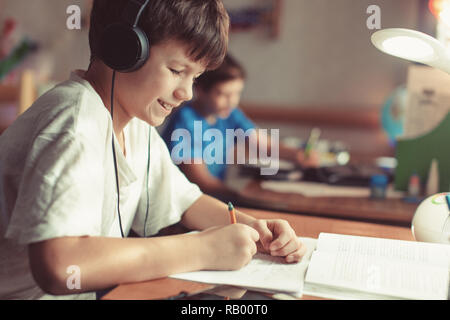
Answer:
x=413 y=46
x=431 y=221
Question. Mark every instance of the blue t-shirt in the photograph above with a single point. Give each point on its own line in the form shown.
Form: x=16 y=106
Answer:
x=200 y=140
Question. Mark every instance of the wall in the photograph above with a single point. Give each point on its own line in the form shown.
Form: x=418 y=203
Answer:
x=62 y=50
x=323 y=56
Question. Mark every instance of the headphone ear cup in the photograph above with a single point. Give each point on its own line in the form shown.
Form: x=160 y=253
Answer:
x=124 y=48
x=145 y=48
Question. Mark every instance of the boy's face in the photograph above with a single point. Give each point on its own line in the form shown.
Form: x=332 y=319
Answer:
x=164 y=82
x=223 y=97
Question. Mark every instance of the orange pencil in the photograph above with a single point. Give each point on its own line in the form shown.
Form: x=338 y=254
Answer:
x=233 y=221
x=232 y=213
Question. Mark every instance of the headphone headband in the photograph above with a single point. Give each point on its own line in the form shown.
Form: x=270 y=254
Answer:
x=133 y=10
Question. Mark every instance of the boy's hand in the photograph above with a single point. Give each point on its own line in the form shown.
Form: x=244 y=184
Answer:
x=310 y=161
x=278 y=239
x=228 y=248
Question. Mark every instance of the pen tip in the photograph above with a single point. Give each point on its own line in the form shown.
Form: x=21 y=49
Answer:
x=230 y=206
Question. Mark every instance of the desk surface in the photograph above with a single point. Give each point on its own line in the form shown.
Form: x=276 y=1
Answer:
x=387 y=211
x=305 y=226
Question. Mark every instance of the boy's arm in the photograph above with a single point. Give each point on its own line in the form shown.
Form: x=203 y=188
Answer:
x=298 y=156
x=199 y=174
x=293 y=154
x=105 y=262
x=207 y=212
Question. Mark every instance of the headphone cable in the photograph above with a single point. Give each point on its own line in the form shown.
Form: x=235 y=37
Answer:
x=146 y=184
x=114 y=154
x=115 y=165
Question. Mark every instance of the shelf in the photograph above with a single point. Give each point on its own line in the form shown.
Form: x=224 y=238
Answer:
x=251 y=17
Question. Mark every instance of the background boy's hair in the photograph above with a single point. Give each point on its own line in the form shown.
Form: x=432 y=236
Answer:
x=201 y=24
x=229 y=70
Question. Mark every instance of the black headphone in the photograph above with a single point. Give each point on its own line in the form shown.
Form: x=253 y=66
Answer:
x=124 y=47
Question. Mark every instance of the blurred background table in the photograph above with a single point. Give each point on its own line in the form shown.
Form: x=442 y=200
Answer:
x=387 y=211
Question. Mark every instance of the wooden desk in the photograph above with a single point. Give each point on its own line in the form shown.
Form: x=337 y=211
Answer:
x=388 y=211
x=305 y=226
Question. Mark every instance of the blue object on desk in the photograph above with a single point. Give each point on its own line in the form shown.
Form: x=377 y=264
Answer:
x=378 y=186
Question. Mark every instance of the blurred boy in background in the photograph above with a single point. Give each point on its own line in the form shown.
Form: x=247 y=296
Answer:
x=215 y=105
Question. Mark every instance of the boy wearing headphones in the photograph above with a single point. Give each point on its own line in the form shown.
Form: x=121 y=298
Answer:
x=84 y=166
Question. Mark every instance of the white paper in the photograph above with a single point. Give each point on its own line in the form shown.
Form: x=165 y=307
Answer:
x=314 y=189
x=264 y=272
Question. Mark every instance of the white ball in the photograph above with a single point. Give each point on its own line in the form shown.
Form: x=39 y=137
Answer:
x=431 y=221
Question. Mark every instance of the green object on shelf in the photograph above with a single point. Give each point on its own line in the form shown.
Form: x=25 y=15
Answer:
x=16 y=57
x=415 y=156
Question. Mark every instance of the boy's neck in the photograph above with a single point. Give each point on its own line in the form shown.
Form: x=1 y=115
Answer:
x=100 y=79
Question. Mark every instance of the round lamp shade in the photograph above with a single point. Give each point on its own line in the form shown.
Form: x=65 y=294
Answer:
x=413 y=46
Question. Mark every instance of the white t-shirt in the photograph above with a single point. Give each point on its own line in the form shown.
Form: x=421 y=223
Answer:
x=57 y=179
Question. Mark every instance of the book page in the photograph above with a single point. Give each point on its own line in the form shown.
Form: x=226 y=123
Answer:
x=380 y=276
x=264 y=272
x=407 y=251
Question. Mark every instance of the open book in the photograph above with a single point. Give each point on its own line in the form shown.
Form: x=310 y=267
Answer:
x=351 y=267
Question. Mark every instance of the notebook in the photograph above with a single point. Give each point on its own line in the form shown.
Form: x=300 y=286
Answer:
x=353 y=267
x=263 y=273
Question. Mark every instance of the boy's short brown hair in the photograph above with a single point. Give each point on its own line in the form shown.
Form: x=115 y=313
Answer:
x=229 y=70
x=201 y=24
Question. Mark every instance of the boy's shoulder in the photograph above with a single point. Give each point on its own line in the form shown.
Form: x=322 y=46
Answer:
x=238 y=119
x=77 y=96
x=237 y=113
x=69 y=107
